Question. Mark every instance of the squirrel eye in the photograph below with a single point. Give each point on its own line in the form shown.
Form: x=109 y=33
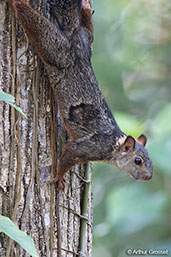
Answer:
x=138 y=161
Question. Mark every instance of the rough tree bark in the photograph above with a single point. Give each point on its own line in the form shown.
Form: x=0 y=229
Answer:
x=29 y=149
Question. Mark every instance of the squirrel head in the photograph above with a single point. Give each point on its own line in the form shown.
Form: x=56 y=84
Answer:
x=133 y=159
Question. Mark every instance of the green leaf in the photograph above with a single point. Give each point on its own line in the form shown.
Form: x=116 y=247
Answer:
x=9 y=99
x=6 y=97
x=11 y=230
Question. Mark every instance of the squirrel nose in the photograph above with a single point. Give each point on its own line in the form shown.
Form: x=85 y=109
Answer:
x=147 y=176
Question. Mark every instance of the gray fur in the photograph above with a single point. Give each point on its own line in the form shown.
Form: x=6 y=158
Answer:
x=65 y=49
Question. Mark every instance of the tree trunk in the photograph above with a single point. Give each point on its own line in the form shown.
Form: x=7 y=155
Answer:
x=60 y=224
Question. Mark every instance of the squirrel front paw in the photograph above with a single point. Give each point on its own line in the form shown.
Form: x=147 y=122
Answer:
x=60 y=182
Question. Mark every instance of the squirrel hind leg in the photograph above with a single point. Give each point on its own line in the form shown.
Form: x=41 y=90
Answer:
x=64 y=11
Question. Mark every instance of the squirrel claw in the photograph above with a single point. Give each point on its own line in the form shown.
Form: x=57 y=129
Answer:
x=61 y=183
x=54 y=180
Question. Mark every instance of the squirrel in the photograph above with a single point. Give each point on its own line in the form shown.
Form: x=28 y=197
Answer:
x=64 y=46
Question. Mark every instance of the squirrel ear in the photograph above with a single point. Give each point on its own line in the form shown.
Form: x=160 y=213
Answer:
x=142 y=140
x=129 y=143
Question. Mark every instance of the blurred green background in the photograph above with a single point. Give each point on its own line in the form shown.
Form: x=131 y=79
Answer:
x=132 y=62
